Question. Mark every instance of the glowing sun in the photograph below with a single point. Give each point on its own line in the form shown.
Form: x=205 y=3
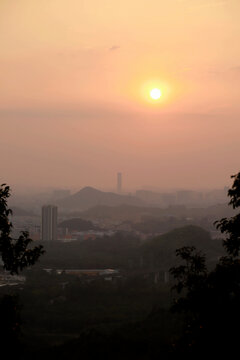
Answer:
x=155 y=94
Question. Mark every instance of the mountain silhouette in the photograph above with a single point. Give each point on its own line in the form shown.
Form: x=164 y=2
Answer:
x=89 y=197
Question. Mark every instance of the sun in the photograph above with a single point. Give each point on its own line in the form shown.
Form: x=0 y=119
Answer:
x=155 y=94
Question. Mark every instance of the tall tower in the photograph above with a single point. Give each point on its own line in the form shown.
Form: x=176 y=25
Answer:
x=49 y=222
x=119 y=183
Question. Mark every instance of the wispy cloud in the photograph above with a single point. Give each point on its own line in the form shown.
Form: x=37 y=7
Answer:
x=114 y=48
x=236 y=68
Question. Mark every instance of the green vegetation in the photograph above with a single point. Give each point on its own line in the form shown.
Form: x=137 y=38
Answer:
x=77 y=225
x=128 y=315
x=69 y=314
x=210 y=300
x=126 y=251
x=58 y=307
x=16 y=254
x=160 y=251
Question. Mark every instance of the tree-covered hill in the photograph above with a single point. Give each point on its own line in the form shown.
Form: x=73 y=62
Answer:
x=77 y=225
x=161 y=249
x=126 y=251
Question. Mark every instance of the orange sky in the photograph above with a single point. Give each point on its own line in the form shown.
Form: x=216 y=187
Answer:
x=74 y=82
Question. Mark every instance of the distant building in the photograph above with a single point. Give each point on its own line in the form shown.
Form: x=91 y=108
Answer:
x=91 y=234
x=185 y=196
x=49 y=223
x=168 y=199
x=119 y=183
x=88 y=272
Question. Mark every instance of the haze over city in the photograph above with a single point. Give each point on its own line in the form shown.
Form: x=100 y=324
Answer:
x=120 y=179
x=75 y=104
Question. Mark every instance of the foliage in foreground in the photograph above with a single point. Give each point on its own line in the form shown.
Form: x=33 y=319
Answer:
x=210 y=300
x=16 y=253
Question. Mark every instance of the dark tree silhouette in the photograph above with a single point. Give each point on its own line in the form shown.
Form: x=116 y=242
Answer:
x=16 y=253
x=210 y=300
x=231 y=227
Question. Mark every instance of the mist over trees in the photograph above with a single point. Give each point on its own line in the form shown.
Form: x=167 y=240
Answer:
x=90 y=297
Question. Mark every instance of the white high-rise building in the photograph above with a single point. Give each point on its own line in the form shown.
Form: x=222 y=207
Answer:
x=49 y=222
x=119 y=183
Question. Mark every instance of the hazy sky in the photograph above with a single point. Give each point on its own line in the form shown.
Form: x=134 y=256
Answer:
x=75 y=77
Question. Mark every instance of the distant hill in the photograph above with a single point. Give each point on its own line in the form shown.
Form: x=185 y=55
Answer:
x=185 y=236
x=89 y=197
x=127 y=252
x=156 y=198
x=77 y=225
x=119 y=213
x=136 y=213
x=163 y=248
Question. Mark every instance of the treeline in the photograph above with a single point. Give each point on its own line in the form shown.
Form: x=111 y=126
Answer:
x=59 y=308
x=127 y=251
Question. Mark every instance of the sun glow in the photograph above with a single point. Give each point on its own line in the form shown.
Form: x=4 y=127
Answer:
x=152 y=93
x=155 y=94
